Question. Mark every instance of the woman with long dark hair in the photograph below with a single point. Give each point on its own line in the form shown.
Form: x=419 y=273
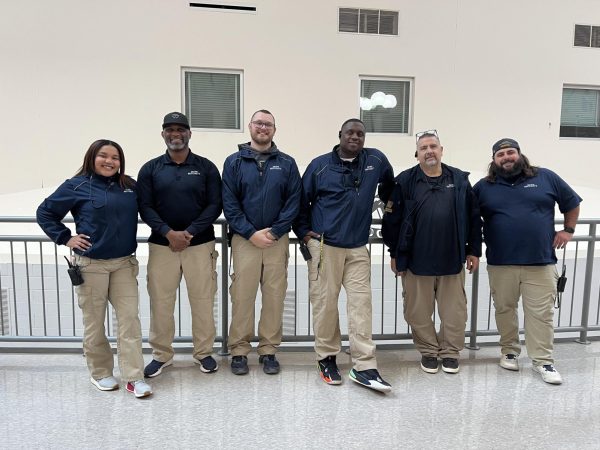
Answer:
x=103 y=202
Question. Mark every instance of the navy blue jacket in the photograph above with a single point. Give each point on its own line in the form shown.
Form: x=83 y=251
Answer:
x=102 y=210
x=398 y=219
x=254 y=199
x=338 y=205
x=518 y=218
x=180 y=197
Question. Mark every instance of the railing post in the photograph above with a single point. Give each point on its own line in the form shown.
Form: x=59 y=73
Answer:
x=224 y=290
x=587 y=286
x=474 y=304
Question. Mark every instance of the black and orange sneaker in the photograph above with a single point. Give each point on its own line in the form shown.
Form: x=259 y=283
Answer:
x=329 y=371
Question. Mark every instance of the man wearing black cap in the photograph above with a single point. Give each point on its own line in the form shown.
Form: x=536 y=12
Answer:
x=517 y=203
x=432 y=227
x=179 y=198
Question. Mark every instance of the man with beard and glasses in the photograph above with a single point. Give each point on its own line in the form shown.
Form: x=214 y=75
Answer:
x=179 y=198
x=338 y=189
x=261 y=198
x=517 y=202
x=432 y=228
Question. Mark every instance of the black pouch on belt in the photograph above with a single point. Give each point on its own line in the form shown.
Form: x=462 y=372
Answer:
x=74 y=273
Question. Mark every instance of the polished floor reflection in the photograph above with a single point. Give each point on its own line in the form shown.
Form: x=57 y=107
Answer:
x=46 y=401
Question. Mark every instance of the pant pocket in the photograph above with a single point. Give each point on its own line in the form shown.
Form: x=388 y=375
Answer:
x=84 y=294
x=313 y=264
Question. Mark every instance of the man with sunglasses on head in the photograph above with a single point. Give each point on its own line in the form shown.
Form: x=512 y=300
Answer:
x=179 y=196
x=261 y=198
x=431 y=225
x=517 y=202
x=338 y=189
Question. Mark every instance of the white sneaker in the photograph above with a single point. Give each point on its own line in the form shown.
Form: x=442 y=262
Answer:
x=510 y=361
x=106 y=383
x=139 y=388
x=549 y=373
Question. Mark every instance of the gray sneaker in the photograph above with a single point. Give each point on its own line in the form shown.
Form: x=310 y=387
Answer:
x=106 y=383
x=139 y=388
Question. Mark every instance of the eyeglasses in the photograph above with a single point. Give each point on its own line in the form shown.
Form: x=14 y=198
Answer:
x=426 y=133
x=261 y=124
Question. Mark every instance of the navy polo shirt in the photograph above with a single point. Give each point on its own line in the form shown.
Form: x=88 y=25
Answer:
x=180 y=197
x=518 y=217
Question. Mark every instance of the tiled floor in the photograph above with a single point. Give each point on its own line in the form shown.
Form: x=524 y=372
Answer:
x=47 y=401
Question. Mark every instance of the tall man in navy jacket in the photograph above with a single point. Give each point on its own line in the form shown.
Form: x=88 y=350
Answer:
x=261 y=198
x=180 y=197
x=517 y=203
x=338 y=189
x=432 y=226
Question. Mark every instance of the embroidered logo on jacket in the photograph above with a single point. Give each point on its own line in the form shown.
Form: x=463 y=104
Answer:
x=530 y=185
x=274 y=168
x=450 y=186
x=369 y=168
x=194 y=172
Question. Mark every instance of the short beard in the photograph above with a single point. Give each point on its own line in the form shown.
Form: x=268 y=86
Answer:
x=516 y=170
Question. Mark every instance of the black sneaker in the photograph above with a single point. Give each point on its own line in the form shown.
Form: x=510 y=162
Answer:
x=429 y=364
x=239 y=365
x=450 y=365
x=155 y=368
x=371 y=379
x=270 y=364
x=329 y=371
x=207 y=365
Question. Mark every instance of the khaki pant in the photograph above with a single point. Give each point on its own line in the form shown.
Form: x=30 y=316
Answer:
x=420 y=294
x=253 y=266
x=537 y=286
x=114 y=281
x=198 y=265
x=328 y=271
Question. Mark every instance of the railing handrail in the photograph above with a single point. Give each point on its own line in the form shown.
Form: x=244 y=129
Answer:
x=588 y=236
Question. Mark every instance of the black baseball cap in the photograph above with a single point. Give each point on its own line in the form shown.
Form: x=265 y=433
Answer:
x=175 y=118
x=505 y=143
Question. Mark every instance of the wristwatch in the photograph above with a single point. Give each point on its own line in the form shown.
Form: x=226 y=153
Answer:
x=569 y=230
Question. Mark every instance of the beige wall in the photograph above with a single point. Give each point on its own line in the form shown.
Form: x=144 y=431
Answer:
x=73 y=71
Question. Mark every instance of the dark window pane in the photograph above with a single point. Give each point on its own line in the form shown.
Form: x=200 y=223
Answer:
x=388 y=22
x=580 y=132
x=369 y=21
x=582 y=35
x=596 y=37
x=348 y=20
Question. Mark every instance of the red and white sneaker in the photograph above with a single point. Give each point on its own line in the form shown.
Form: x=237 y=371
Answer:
x=139 y=388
